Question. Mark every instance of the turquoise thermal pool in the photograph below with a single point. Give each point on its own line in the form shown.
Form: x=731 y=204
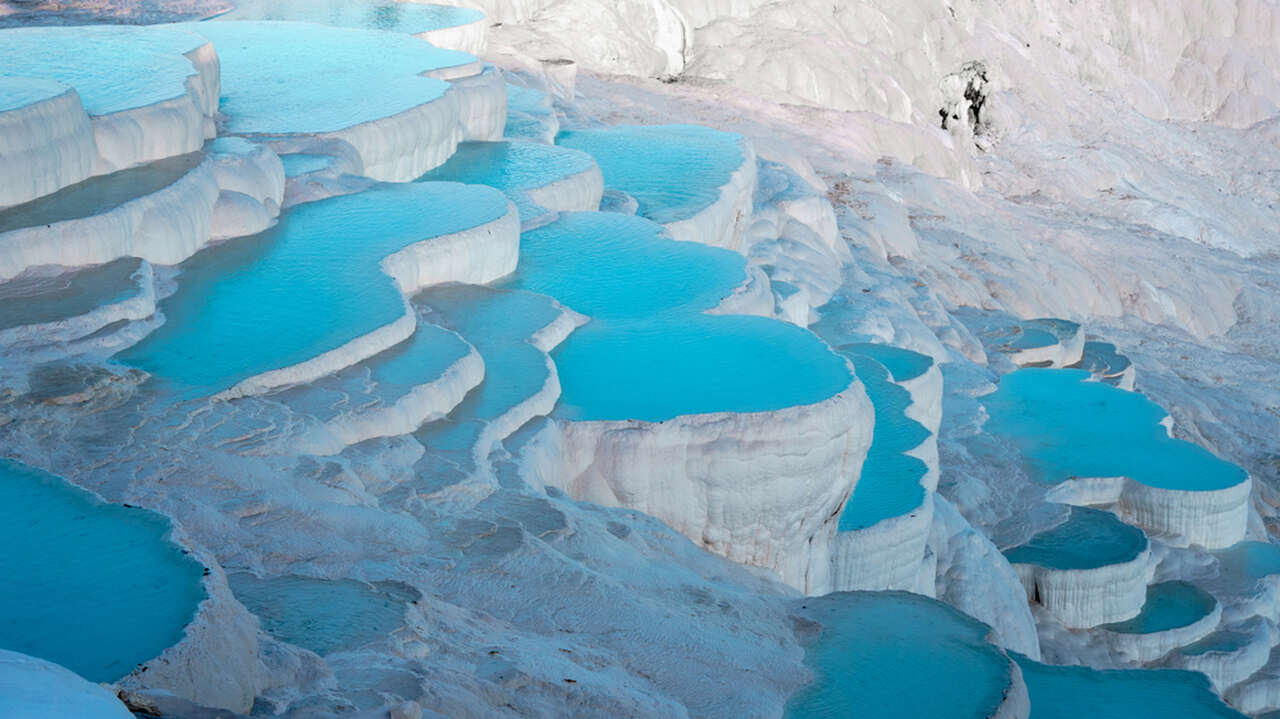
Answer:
x=903 y=364
x=1090 y=538
x=1070 y=692
x=147 y=63
x=1169 y=605
x=324 y=616
x=1068 y=426
x=271 y=75
x=95 y=587
x=893 y=654
x=1250 y=560
x=513 y=167
x=693 y=364
x=611 y=266
x=673 y=171
x=306 y=286
x=889 y=485
x=403 y=17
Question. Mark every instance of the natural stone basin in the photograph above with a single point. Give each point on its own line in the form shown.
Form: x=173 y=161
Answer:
x=316 y=282
x=95 y=587
x=1089 y=539
x=893 y=654
x=1068 y=692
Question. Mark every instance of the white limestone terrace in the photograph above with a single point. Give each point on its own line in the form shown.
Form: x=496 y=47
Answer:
x=1089 y=570
x=449 y=27
x=1228 y=656
x=885 y=526
x=387 y=94
x=413 y=236
x=162 y=212
x=1175 y=614
x=53 y=306
x=133 y=95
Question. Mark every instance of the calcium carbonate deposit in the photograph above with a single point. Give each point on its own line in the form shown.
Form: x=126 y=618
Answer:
x=640 y=358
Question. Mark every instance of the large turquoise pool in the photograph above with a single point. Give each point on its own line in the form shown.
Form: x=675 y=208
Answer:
x=673 y=171
x=884 y=655
x=1068 y=426
x=287 y=77
x=309 y=285
x=95 y=587
x=693 y=364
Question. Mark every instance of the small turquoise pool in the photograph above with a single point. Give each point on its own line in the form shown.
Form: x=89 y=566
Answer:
x=308 y=285
x=1068 y=426
x=287 y=77
x=389 y=15
x=889 y=485
x=513 y=167
x=1169 y=605
x=693 y=364
x=1090 y=538
x=884 y=655
x=95 y=587
x=1224 y=641
x=673 y=171
x=1070 y=692
x=300 y=163
x=611 y=266
x=324 y=616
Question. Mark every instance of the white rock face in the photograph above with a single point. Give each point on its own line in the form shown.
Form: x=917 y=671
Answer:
x=1083 y=598
x=32 y=688
x=45 y=143
x=1148 y=647
x=759 y=488
x=1226 y=669
x=1213 y=519
x=167 y=226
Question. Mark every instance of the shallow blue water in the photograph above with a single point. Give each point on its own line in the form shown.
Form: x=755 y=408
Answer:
x=673 y=171
x=692 y=364
x=390 y=15
x=889 y=485
x=1221 y=641
x=903 y=364
x=1067 y=692
x=94 y=587
x=1090 y=538
x=1103 y=358
x=286 y=77
x=112 y=67
x=1169 y=605
x=306 y=286
x=1252 y=560
x=1069 y=427
x=513 y=167
x=884 y=655
x=324 y=616
x=28 y=301
x=611 y=266
x=301 y=163
x=99 y=194
x=18 y=92
x=529 y=114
